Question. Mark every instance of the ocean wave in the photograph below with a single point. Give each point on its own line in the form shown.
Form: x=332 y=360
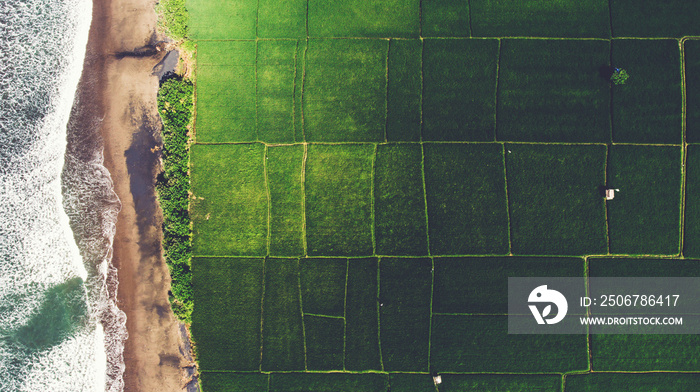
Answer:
x=60 y=329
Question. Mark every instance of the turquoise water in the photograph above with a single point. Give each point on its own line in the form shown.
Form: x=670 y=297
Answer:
x=60 y=329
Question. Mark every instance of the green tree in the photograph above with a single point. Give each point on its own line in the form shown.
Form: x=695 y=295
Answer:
x=619 y=76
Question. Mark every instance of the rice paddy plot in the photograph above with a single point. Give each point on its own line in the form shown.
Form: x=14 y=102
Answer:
x=323 y=286
x=229 y=202
x=226 y=92
x=282 y=18
x=284 y=172
x=501 y=382
x=403 y=122
x=466 y=199
x=692 y=90
x=226 y=315
x=650 y=18
x=362 y=316
x=647 y=108
x=339 y=200
x=636 y=267
x=345 y=90
x=480 y=284
x=227 y=382
x=324 y=342
x=276 y=65
x=445 y=18
x=657 y=382
x=691 y=247
x=282 y=329
x=651 y=268
x=402 y=382
x=644 y=217
x=645 y=352
x=482 y=344
x=222 y=20
x=399 y=204
x=364 y=18
x=459 y=87
x=540 y=18
x=336 y=382
x=556 y=206
x=404 y=305
x=553 y=91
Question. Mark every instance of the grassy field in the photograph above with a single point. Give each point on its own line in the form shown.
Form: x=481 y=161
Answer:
x=229 y=203
x=647 y=109
x=345 y=90
x=400 y=220
x=230 y=292
x=339 y=200
x=459 y=282
x=459 y=89
x=367 y=174
x=466 y=199
x=645 y=217
x=555 y=206
x=692 y=90
x=551 y=91
x=540 y=18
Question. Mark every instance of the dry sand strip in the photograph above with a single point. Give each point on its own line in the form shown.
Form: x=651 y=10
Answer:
x=118 y=91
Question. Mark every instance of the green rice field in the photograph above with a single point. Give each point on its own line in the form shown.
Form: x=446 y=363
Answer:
x=367 y=174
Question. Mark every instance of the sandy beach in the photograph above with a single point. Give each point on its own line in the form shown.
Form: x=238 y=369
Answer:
x=118 y=91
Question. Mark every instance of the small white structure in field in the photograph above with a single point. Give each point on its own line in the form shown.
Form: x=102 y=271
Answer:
x=609 y=194
x=437 y=379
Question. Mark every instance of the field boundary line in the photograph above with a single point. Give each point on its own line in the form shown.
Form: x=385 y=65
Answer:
x=345 y=311
x=432 y=293
x=303 y=200
x=257 y=19
x=586 y=276
x=646 y=371
x=372 y=203
x=257 y=49
x=425 y=199
x=605 y=202
x=475 y=256
x=379 y=314
x=421 y=37
x=262 y=313
x=469 y=17
x=268 y=240
x=374 y=371
x=495 y=94
x=420 y=18
x=684 y=149
x=294 y=90
x=276 y=144
x=305 y=59
x=301 y=311
x=610 y=92
x=269 y=381
x=306 y=21
x=505 y=185
x=324 y=316
x=610 y=25
x=193 y=137
x=386 y=94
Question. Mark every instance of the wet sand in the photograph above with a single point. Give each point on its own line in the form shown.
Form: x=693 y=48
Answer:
x=118 y=92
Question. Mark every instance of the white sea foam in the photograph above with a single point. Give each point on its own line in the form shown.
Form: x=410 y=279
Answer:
x=41 y=55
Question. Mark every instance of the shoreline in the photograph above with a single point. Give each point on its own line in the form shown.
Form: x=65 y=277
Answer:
x=116 y=106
